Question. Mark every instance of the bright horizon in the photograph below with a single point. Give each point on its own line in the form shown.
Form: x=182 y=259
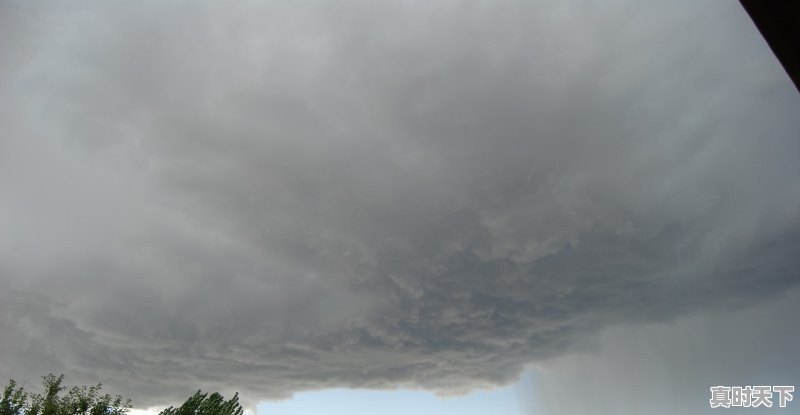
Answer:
x=508 y=400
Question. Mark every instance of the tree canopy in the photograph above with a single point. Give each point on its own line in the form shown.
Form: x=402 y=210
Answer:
x=85 y=400
x=204 y=404
x=81 y=400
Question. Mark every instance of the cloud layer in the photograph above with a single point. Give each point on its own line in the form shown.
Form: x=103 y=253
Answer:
x=281 y=196
x=668 y=368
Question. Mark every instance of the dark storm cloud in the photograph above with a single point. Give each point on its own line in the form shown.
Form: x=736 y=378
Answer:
x=274 y=197
x=668 y=368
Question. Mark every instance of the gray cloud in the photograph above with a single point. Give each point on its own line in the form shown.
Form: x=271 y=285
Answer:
x=278 y=197
x=668 y=368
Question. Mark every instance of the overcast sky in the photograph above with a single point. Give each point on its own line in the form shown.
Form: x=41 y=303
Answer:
x=279 y=196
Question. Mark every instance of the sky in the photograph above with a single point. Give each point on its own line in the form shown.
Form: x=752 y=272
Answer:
x=561 y=207
x=394 y=402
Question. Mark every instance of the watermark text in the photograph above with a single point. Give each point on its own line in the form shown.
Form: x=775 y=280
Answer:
x=750 y=396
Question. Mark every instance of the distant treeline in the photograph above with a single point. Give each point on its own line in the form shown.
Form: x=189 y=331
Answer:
x=82 y=400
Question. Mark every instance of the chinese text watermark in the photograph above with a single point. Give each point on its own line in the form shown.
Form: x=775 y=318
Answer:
x=749 y=396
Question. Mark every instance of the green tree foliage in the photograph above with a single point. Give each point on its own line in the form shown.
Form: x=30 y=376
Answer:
x=13 y=400
x=88 y=401
x=77 y=401
x=204 y=404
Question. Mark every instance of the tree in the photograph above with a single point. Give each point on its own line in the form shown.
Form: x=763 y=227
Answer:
x=203 y=404
x=13 y=400
x=88 y=401
x=78 y=400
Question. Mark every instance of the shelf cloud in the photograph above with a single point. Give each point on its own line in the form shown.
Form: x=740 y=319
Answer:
x=270 y=197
